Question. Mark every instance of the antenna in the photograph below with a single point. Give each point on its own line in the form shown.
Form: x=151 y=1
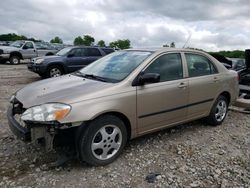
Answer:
x=189 y=37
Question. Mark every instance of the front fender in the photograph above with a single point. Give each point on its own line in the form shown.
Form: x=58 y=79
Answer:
x=124 y=103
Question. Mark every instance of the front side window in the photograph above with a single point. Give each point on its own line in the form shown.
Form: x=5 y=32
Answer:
x=64 y=51
x=29 y=45
x=199 y=65
x=169 y=67
x=77 y=52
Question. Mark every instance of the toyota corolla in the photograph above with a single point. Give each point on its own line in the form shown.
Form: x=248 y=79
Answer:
x=122 y=96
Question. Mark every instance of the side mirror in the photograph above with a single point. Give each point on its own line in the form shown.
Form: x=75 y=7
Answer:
x=70 y=55
x=25 y=47
x=148 y=78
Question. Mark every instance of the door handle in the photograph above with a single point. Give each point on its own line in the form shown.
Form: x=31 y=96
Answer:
x=182 y=85
x=216 y=79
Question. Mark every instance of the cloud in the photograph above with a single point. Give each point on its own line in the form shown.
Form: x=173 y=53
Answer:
x=213 y=25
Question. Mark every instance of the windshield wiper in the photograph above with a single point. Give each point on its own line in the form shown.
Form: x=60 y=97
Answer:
x=92 y=76
x=78 y=73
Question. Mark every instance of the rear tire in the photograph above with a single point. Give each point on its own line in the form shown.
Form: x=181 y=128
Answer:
x=102 y=141
x=218 y=111
x=14 y=60
x=54 y=71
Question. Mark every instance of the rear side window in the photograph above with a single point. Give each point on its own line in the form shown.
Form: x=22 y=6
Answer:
x=93 y=52
x=199 y=65
x=169 y=67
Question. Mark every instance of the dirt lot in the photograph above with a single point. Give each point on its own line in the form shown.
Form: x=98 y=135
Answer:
x=190 y=155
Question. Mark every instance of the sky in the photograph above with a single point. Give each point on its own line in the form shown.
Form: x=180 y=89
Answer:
x=211 y=25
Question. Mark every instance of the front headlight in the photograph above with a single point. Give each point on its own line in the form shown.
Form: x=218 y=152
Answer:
x=39 y=61
x=46 y=112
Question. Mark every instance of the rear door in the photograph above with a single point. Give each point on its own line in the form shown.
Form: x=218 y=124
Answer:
x=203 y=84
x=164 y=103
x=93 y=54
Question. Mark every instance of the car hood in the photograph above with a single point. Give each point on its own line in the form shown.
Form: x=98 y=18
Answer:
x=8 y=48
x=50 y=58
x=65 y=89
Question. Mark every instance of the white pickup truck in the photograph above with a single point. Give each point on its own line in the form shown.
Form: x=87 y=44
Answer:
x=19 y=50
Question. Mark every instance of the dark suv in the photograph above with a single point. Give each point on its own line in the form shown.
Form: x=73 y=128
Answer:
x=67 y=60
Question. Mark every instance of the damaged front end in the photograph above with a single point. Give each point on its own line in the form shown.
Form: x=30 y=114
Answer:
x=36 y=132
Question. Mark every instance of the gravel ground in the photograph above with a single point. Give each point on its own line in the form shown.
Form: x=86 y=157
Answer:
x=189 y=155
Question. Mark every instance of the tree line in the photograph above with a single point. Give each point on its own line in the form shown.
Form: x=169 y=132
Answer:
x=14 y=37
x=88 y=40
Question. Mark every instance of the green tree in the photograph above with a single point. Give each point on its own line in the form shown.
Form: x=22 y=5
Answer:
x=88 y=40
x=101 y=43
x=78 y=41
x=14 y=37
x=231 y=54
x=56 y=40
x=122 y=44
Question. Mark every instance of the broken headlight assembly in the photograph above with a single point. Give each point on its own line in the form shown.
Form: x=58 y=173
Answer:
x=46 y=112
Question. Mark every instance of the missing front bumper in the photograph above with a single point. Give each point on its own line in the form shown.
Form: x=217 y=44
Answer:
x=36 y=134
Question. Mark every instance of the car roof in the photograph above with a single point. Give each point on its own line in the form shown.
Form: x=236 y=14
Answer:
x=82 y=46
x=165 y=49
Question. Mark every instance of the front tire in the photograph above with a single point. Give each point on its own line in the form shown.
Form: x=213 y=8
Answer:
x=54 y=71
x=218 y=111
x=102 y=141
x=15 y=60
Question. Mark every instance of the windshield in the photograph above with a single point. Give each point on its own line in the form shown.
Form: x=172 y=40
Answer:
x=116 y=66
x=17 y=44
x=63 y=52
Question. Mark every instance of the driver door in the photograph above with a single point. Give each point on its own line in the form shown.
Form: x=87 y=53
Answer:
x=28 y=51
x=75 y=59
x=164 y=103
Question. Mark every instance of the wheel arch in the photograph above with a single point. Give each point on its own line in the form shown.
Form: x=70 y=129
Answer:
x=121 y=116
x=59 y=64
x=15 y=53
x=227 y=95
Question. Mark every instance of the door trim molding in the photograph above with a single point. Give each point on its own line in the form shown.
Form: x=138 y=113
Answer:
x=174 y=109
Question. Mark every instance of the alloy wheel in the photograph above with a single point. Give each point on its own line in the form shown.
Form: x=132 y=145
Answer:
x=106 y=142
x=55 y=72
x=221 y=110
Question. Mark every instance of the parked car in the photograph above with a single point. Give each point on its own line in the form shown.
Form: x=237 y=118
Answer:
x=22 y=50
x=238 y=63
x=65 y=61
x=225 y=61
x=121 y=96
x=4 y=43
